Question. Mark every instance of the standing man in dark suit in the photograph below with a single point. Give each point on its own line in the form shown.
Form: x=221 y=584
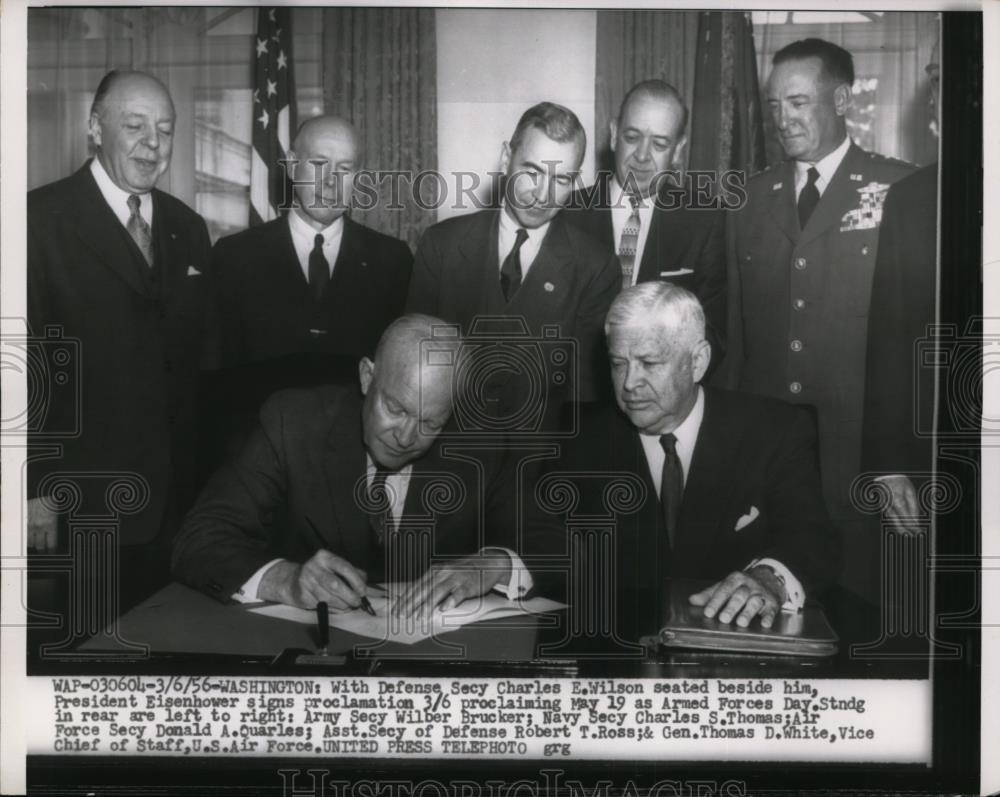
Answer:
x=647 y=219
x=313 y=281
x=899 y=393
x=730 y=489
x=802 y=253
x=119 y=265
x=317 y=503
x=524 y=261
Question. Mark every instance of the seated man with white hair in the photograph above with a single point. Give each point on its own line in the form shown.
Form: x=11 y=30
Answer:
x=732 y=489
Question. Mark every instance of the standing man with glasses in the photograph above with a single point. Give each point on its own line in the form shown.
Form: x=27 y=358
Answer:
x=803 y=251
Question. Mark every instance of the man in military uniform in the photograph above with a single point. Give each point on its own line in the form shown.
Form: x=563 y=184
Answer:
x=802 y=252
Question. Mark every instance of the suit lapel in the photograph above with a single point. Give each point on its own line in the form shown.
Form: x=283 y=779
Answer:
x=349 y=263
x=168 y=241
x=839 y=197
x=713 y=469
x=343 y=464
x=101 y=232
x=781 y=201
x=479 y=275
x=548 y=273
x=286 y=259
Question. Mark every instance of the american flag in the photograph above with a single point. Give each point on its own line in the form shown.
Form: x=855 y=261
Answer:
x=273 y=112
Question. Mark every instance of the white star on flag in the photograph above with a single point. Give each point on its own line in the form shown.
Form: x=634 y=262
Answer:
x=264 y=118
x=282 y=61
x=272 y=88
x=270 y=15
x=261 y=47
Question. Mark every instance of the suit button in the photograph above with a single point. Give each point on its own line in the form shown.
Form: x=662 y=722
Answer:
x=799 y=304
x=864 y=250
x=795 y=387
x=800 y=263
x=795 y=345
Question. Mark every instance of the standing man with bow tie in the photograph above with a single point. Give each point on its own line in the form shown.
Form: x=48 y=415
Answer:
x=802 y=255
x=523 y=261
x=119 y=265
x=313 y=280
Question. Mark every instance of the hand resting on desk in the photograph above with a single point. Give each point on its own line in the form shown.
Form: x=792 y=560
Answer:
x=448 y=585
x=324 y=577
x=743 y=594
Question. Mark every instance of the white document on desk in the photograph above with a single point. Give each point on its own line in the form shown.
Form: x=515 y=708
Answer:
x=409 y=631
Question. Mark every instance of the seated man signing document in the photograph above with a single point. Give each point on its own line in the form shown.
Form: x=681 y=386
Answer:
x=340 y=487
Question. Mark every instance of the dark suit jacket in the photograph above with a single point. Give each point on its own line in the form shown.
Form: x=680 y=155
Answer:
x=292 y=490
x=266 y=307
x=801 y=298
x=571 y=284
x=143 y=333
x=902 y=307
x=750 y=453
x=680 y=238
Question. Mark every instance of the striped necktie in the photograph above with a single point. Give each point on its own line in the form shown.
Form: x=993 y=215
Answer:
x=629 y=243
x=139 y=229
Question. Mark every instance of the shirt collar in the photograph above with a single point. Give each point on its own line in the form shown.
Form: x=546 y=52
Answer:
x=620 y=200
x=509 y=227
x=117 y=198
x=826 y=166
x=686 y=435
x=304 y=230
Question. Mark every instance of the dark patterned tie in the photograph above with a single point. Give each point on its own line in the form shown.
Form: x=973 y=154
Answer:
x=319 y=270
x=510 y=272
x=629 y=244
x=380 y=496
x=808 y=198
x=671 y=486
x=138 y=228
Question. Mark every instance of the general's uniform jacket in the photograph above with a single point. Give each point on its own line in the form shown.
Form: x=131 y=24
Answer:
x=800 y=297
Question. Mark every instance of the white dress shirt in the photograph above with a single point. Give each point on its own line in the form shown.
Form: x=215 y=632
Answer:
x=304 y=239
x=398 y=484
x=508 y=236
x=687 y=437
x=621 y=210
x=827 y=167
x=117 y=199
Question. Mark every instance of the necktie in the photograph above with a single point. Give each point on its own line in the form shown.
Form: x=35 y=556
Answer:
x=629 y=243
x=808 y=198
x=671 y=486
x=319 y=269
x=380 y=496
x=510 y=272
x=138 y=229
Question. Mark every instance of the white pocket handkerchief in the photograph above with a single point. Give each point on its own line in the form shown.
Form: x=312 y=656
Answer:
x=678 y=273
x=193 y=272
x=747 y=519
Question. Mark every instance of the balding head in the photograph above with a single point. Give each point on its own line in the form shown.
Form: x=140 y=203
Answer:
x=327 y=151
x=408 y=389
x=132 y=126
x=646 y=135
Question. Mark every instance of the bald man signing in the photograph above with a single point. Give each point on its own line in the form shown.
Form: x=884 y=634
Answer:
x=318 y=505
x=313 y=280
x=118 y=266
